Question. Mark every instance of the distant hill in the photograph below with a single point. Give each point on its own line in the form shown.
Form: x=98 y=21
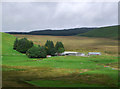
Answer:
x=105 y=32
x=64 y=32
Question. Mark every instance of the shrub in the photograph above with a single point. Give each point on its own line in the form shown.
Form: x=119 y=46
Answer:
x=36 y=52
x=22 y=45
x=50 y=49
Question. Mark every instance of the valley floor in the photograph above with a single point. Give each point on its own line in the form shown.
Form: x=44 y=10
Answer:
x=61 y=71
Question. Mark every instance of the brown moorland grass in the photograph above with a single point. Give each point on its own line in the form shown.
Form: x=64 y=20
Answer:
x=15 y=78
x=18 y=78
x=77 y=43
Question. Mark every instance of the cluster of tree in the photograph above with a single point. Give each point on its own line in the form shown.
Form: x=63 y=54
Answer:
x=51 y=49
x=64 y=32
x=22 y=45
x=25 y=46
x=36 y=52
x=59 y=47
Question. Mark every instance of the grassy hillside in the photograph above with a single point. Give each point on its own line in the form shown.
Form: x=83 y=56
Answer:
x=105 y=32
x=7 y=45
x=61 y=71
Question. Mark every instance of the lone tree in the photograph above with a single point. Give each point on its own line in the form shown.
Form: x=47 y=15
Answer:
x=15 y=43
x=22 y=45
x=36 y=52
x=50 y=49
x=59 y=47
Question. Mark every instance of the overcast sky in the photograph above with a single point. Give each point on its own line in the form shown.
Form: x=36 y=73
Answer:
x=28 y=16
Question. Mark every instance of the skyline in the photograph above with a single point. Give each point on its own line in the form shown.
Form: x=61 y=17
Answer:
x=29 y=16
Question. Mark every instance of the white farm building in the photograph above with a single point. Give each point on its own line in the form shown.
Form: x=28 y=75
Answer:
x=94 y=53
x=72 y=53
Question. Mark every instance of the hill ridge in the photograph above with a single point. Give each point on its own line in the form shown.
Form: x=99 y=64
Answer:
x=104 y=32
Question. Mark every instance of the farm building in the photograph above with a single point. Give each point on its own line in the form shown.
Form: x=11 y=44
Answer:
x=94 y=53
x=72 y=53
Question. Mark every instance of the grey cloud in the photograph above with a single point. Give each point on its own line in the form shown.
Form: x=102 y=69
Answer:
x=27 y=16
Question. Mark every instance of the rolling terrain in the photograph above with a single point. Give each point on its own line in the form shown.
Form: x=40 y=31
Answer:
x=104 y=32
x=60 y=71
x=100 y=32
x=63 y=32
x=76 y=43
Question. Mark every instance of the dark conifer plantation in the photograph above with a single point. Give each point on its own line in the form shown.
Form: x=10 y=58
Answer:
x=22 y=45
x=36 y=52
x=50 y=49
x=25 y=46
x=15 y=43
x=59 y=47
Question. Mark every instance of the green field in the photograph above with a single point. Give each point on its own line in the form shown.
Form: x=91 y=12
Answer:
x=105 y=32
x=61 y=71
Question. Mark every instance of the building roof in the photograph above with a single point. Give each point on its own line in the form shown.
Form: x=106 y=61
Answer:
x=69 y=52
x=94 y=53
